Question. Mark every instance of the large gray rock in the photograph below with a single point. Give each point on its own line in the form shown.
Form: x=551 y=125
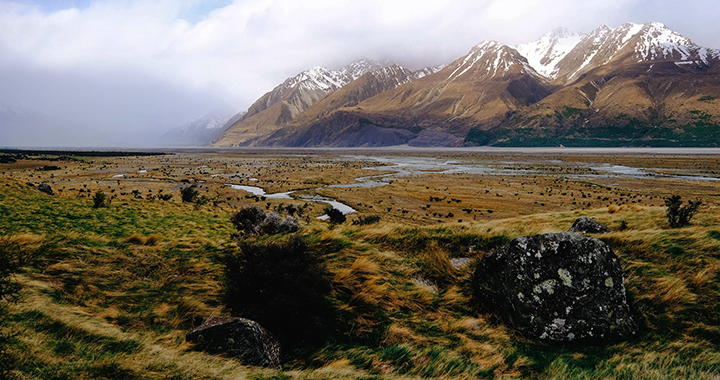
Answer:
x=588 y=225
x=557 y=287
x=240 y=337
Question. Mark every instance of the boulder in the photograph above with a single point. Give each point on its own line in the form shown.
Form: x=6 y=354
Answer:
x=45 y=188
x=557 y=287
x=240 y=337
x=588 y=225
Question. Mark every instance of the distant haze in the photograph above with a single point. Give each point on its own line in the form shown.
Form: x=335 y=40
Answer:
x=119 y=73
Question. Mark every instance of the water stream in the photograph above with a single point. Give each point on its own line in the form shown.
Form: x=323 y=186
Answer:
x=416 y=166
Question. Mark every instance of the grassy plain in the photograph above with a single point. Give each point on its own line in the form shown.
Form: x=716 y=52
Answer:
x=111 y=292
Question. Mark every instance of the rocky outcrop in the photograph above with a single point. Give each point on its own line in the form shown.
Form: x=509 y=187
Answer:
x=557 y=287
x=588 y=225
x=240 y=337
x=45 y=188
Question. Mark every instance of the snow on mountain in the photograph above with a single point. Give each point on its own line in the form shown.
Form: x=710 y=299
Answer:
x=356 y=69
x=490 y=59
x=428 y=71
x=544 y=53
x=657 y=42
x=200 y=131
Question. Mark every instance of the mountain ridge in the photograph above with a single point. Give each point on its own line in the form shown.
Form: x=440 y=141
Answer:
x=634 y=84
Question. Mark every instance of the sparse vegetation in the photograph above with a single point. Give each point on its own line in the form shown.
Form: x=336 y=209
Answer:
x=111 y=293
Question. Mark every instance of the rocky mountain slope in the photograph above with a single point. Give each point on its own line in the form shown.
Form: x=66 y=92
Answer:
x=279 y=106
x=630 y=85
x=200 y=131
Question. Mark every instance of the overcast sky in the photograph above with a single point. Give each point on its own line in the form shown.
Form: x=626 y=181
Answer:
x=143 y=67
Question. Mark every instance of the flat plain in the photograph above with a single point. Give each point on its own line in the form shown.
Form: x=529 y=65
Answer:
x=110 y=292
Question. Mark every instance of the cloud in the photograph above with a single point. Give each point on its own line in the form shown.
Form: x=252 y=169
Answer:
x=168 y=59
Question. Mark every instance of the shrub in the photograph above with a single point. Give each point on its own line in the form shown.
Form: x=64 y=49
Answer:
x=100 y=199
x=335 y=215
x=165 y=197
x=363 y=221
x=247 y=219
x=189 y=194
x=274 y=224
x=281 y=285
x=252 y=220
x=679 y=215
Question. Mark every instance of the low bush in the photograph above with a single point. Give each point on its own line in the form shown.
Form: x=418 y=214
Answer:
x=335 y=215
x=189 y=194
x=363 y=221
x=679 y=215
x=282 y=285
x=100 y=199
x=252 y=221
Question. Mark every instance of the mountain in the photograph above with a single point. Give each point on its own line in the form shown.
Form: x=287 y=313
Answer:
x=545 y=53
x=632 y=85
x=200 y=131
x=303 y=131
x=436 y=109
x=279 y=106
x=637 y=84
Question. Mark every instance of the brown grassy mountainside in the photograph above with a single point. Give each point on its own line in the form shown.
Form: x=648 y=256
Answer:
x=637 y=85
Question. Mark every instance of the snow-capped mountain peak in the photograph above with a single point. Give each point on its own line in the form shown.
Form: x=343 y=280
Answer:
x=356 y=69
x=489 y=59
x=544 y=54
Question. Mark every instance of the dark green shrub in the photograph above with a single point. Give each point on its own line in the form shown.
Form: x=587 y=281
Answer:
x=335 y=215
x=679 y=215
x=189 y=194
x=282 y=285
x=100 y=199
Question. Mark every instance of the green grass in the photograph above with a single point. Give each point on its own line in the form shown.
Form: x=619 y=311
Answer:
x=100 y=304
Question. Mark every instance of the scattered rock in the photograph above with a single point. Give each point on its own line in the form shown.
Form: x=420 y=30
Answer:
x=558 y=287
x=426 y=284
x=460 y=262
x=45 y=188
x=240 y=337
x=588 y=225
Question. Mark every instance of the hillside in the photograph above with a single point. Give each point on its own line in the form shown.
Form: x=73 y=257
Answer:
x=637 y=85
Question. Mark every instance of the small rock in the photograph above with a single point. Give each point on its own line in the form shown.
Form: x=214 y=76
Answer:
x=45 y=188
x=588 y=225
x=425 y=284
x=557 y=287
x=241 y=337
x=460 y=262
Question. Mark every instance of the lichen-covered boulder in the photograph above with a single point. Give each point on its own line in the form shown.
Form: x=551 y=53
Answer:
x=557 y=287
x=588 y=225
x=240 y=337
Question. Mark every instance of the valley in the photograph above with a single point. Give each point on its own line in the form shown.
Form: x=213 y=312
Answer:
x=112 y=291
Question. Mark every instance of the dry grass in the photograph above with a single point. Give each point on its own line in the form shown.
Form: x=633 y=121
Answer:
x=112 y=292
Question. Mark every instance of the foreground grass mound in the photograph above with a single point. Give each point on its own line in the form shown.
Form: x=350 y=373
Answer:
x=110 y=293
